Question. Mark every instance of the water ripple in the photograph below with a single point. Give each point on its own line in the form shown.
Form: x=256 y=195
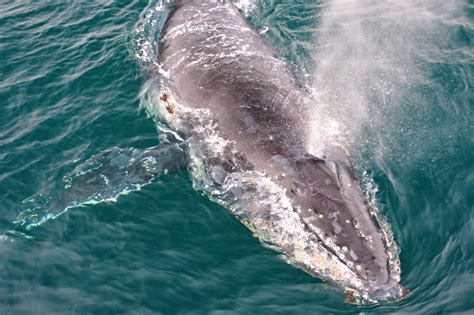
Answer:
x=397 y=75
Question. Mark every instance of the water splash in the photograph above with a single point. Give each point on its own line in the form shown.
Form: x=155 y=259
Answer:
x=246 y=6
x=145 y=33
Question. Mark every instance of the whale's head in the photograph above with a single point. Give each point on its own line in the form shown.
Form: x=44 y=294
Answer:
x=333 y=206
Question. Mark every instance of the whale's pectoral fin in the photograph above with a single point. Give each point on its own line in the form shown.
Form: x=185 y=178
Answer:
x=102 y=178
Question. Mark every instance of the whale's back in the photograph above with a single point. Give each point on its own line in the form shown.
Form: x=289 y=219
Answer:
x=218 y=61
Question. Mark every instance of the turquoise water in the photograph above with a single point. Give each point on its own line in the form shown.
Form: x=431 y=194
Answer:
x=397 y=76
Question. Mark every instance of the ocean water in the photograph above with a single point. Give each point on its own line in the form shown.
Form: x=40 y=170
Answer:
x=393 y=78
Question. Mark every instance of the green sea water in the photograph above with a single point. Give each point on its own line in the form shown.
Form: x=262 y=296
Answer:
x=396 y=76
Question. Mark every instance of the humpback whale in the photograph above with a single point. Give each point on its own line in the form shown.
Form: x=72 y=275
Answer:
x=225 y=83
x=232 y=113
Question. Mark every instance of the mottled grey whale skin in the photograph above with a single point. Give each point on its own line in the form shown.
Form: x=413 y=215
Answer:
x=215 y=59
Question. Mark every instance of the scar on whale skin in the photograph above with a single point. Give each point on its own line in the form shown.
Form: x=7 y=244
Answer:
x=169 y=107
x=164 y=97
